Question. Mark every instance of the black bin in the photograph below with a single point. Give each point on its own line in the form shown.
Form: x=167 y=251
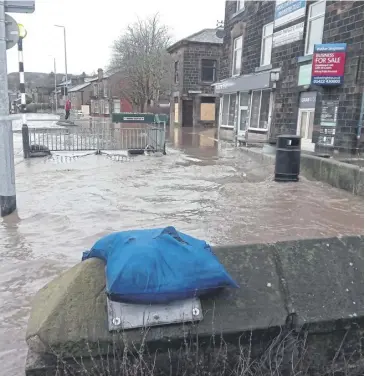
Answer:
x=287 y=164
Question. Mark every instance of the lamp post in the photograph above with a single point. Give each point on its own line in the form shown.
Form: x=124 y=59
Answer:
x=55 y=84
x=64 y=41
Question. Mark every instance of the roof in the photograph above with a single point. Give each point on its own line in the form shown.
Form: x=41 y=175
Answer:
x=79 y=87
x=207 y=36
x=93 y=79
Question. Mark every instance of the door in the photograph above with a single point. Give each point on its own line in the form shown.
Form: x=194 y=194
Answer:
x=305 y=128
x=116 y=106
x=242 y=123
x=187 y=113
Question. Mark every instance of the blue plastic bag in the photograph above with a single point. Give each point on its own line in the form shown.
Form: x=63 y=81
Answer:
x=158 y=266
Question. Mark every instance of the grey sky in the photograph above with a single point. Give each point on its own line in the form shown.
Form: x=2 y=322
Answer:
x=92 y=27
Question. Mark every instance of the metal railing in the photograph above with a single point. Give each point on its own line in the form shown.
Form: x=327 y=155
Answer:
x=87 y=139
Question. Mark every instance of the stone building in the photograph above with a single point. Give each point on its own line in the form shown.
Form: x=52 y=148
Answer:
x=267 y=87
x=80 y=95
x=196 y=65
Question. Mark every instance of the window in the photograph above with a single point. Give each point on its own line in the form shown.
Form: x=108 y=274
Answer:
x=237 y=56
x=315 y=26
x=240 y=5
x=209 y=68
x=176 y=72
x=266 y=45
x=260 y=109
x=228 y=110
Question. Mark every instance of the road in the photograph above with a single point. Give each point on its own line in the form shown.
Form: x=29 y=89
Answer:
x=214 y=192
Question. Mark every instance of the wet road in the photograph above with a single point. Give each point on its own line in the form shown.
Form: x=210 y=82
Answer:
x=213 y=192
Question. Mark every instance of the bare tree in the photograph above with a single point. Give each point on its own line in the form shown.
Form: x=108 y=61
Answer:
x=140 y=58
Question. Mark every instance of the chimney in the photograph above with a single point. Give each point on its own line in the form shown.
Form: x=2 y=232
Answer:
x=100 y=74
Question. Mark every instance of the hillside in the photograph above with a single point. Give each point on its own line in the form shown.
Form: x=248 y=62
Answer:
x=33 y=80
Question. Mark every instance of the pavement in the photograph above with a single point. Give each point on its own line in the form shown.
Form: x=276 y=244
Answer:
x=208 y=189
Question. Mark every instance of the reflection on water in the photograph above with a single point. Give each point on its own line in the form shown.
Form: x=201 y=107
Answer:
x=216 y=193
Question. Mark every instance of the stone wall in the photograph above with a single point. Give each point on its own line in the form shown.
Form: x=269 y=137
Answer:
x=193 y=55
x=308 y=289
x=344 y=23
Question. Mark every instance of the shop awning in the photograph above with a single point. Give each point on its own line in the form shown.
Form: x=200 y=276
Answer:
x=243 y=83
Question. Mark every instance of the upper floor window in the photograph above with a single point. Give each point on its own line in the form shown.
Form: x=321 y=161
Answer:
x=237 y=56
x=176 y=72
x=209 y=70
x=240 y=5
x=266 y=44
x=315 y=25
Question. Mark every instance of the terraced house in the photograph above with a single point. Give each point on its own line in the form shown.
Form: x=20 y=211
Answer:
x=293 y=67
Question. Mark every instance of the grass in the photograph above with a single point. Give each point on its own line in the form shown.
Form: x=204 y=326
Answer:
x=288 y=353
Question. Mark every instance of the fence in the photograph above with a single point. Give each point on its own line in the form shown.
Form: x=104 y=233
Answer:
x=88 y=139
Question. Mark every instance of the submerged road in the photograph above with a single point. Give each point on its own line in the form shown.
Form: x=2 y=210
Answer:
x=214 y=192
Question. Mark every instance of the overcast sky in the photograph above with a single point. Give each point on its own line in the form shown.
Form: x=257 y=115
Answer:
x=92 y=26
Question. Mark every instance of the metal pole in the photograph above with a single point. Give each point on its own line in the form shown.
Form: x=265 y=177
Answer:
x=64 y=40
x=55 y=83
x=23 y=104
x=7 y=174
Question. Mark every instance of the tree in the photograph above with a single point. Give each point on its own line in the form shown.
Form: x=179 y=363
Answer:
x=141 y=60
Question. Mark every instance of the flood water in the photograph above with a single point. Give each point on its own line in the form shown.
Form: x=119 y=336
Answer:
x=214 y=192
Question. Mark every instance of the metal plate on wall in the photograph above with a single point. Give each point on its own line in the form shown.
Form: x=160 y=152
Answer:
x=130 y=316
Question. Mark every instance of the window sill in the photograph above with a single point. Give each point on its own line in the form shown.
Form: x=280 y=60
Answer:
x=227 y=126
x=257 y=130
x=305 y=58
x=263 y=68
x=238 y=12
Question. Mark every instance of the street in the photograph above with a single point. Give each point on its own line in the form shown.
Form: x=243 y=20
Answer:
x=214 y=192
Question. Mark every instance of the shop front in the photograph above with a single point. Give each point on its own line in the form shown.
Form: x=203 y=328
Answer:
x=307 y=105
x=245 y=106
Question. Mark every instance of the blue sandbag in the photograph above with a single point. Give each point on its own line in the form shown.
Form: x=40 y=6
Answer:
x=158 y=266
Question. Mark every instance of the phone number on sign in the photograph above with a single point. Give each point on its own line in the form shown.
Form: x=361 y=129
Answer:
x=326 y=80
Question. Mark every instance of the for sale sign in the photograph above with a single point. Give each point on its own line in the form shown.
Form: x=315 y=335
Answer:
x=328 y=64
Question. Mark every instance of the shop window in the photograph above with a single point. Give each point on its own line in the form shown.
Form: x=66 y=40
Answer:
x=260 y=109
x=266 y=44
x=228 y=112
x=237 y=56
x=315 y=25
x=207 y=109
x=207 y=100
x=209 y=69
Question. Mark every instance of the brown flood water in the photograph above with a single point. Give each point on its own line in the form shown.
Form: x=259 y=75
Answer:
x=219 y=194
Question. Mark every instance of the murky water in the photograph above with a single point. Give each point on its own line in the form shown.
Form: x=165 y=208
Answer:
x=65 y=203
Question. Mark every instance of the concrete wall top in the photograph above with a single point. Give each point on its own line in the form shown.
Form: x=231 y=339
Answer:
x=319 y=280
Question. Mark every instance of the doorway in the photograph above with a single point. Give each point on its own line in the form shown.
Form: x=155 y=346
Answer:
x=242 y=115
x=187 y=113
x=305 y=128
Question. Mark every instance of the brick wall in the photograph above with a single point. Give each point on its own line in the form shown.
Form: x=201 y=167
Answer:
x=193 y=55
